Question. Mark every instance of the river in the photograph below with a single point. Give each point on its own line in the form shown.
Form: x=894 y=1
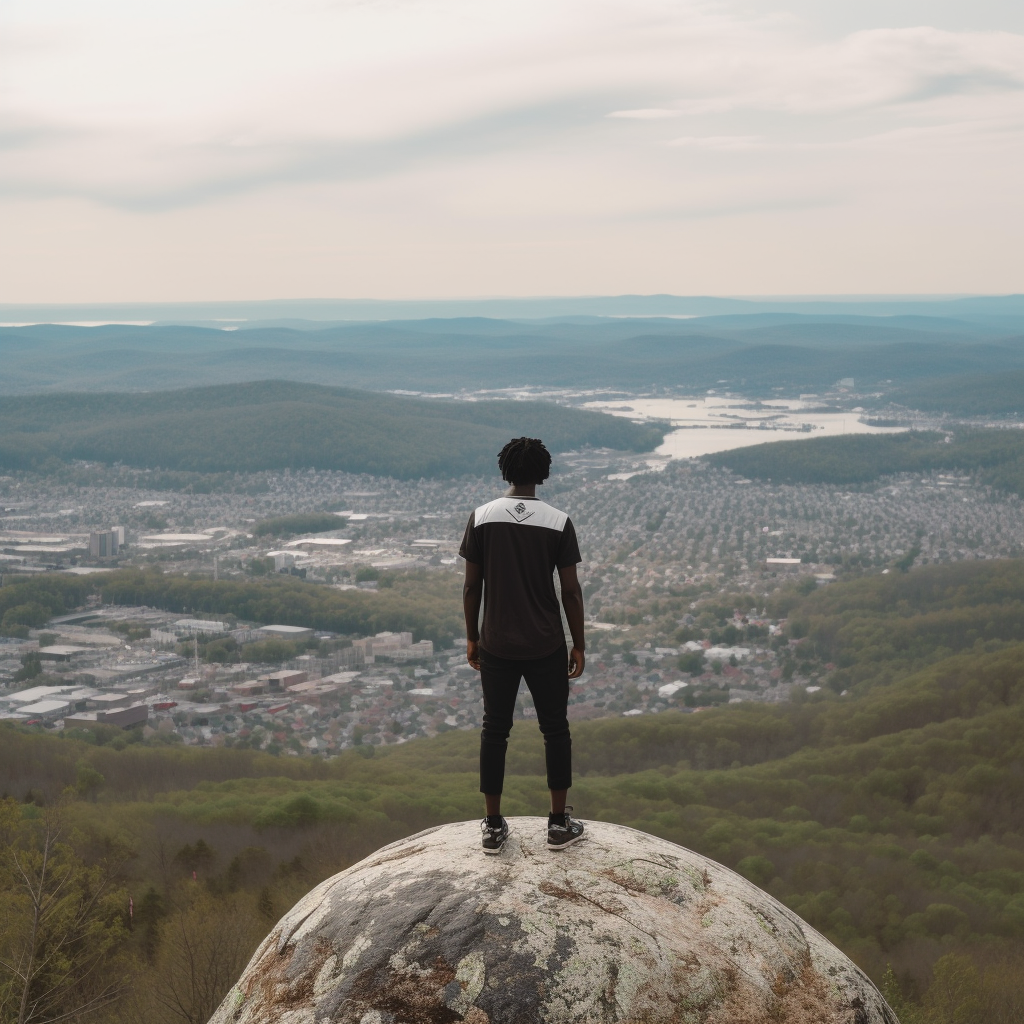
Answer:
x=717 y=423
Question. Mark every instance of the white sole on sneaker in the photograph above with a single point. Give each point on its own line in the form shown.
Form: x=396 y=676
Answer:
x=494 y=853
x=563 y=846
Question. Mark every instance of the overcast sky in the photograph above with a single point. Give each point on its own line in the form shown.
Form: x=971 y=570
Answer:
x=219 y=149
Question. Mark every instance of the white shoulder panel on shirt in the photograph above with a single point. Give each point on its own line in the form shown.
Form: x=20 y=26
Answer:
x=525 y=512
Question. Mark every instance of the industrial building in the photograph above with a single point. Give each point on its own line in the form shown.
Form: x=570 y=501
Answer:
x=105 y=543
x=250 y=688
x=276 y=681
x=157 y=540
x=328 y=543
x=287 y=632
x=62 y=652
x=782 y=563
x=108 y=701
x=201 y=625
x=47 y=710
x=136 y=714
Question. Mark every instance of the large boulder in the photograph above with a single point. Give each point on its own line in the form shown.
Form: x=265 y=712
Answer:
x=620 y=927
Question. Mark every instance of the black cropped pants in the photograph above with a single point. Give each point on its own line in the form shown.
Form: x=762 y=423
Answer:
x=548 y=681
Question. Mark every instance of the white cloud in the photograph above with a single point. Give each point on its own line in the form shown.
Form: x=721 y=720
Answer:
x=564 y=115
x=166 y=101
x=646 y=114
x=721 y=142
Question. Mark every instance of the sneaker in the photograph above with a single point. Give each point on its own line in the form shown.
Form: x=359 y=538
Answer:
x=563 y=830
x=493 y=836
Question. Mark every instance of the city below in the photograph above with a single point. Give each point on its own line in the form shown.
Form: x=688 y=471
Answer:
x=682 y=570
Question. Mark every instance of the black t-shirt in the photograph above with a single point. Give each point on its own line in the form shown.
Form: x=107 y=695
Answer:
x=519 y=542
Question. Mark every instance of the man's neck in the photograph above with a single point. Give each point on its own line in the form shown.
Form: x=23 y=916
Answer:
x=522 y=491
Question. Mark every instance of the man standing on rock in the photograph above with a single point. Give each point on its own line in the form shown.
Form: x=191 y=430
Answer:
x=512 y=547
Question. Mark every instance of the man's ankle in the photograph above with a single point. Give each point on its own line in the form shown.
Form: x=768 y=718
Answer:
x=494 y=820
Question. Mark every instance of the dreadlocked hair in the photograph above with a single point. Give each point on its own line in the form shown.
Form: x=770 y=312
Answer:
x=524 y=460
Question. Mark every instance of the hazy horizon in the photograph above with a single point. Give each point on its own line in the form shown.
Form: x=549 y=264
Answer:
x=524 y=307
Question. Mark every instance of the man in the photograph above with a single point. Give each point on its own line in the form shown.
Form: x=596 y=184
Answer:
x=512 y=547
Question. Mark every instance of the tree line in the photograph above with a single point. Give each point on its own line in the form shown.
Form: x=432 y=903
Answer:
x=426 y=603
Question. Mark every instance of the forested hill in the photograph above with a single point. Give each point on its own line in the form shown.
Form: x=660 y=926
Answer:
x=996 y=456
x=970 y=394
x=890 y=816
x=278 y=424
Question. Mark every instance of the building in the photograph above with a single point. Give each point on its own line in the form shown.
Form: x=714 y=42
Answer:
x=385 y=644
x=341 y=678
x=350 y=658
x=324 y=543
x=287 y=632
x=245 y=635
x=250 y=688
x=108 y=701
x=277 y=681
x=201 y=625
x=282 y=559
x=136 y=714
x=782 y=563
x=104 y=543
x=48 y=710
x=62 y=652
x=158 y=540
x=395 y=645
x=121 y=673
x=725 y=653
x=422 y=649
x=315 y=692
x=37 y=693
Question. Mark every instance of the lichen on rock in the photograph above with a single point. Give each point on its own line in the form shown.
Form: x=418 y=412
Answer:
x=622 y=927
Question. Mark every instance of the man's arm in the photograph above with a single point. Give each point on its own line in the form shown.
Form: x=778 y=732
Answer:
x=472 y=593
x=572 y=602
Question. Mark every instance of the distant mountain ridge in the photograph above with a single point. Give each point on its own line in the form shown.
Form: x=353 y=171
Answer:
x=516 y=307
x=753 y=353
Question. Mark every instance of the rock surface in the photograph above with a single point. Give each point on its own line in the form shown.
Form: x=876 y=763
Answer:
x=622 y=927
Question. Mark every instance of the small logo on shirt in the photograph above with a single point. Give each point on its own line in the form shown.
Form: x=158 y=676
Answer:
x=519 y=512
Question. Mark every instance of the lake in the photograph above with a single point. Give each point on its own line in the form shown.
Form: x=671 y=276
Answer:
x=717 y=423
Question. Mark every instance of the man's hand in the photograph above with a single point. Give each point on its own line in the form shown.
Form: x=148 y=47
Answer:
x=577 y=662
x=472 y=592
x=572 y=602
